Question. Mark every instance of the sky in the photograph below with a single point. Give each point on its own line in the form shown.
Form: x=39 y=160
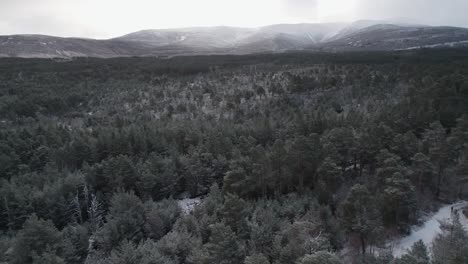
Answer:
x=112 y=18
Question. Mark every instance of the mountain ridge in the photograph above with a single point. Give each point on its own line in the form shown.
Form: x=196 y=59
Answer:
x=333 y=37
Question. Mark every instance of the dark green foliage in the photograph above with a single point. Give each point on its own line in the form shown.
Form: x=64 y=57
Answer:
x=359 y=215
x=293 y=155
x=179 y=245
x=145 y=253
x=439 y=152
x=223 y=246
x=451 y=247
x=160 y=217
x=320 y=257
x=418 y=254
x=329 y=180
x=263 y=225
x=158 y=177
x=304 y=157
x=113 y=175
x=339 y=145
x=256 y=259
x=125 y=221
x=372 y=259
x=130 y=219
x=422 y=171
x=234 y=213
x=38 y=242
x=76 y=239
x=399 y=201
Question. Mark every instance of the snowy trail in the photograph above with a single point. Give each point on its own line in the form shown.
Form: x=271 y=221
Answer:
x=428 y=231
x=188 y=205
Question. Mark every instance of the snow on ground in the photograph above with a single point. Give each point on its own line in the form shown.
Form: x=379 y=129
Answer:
x=188 y=205
x=428 y=231
x=450 y=44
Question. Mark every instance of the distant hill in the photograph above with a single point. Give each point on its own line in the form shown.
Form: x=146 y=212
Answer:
x=394 y=37
x=360 y=35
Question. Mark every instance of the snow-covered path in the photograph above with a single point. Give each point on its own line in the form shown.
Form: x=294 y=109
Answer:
x=188 y=205
x=428 y=231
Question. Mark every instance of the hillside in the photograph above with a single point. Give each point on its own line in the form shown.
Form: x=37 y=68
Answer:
x=334 y=37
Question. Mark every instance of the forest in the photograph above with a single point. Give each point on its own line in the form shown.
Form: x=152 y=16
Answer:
x=297 y=158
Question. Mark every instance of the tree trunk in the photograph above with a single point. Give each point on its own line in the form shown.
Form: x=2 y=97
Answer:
x=420 y=182
x=301 y=182
x=363 y=244
x=7 y=208
x=263 y=184
x=360 y=166
x=439 y=180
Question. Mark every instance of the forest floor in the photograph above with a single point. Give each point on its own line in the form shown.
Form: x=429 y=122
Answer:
x=187 y=205
x=430 y=228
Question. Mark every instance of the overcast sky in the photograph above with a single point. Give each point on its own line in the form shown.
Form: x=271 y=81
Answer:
x=111 y=18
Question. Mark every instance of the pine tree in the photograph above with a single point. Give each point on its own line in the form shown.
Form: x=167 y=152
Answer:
x=330 y=178
x=260 y=176
x=438 y=151
x=256 y=259
x=405 y=145
x=320 y=257
x=359 y=215
x=234 y=213
x=340 y=145
x=145 y=252
x=179 y=245
x=303 y=158
x=223 y=246
x=236 y=179
x=399 y=201
x=38 y=242
x=388 y=164
x=461 y=179
x=418 y=254
x=125 y=221
x=422 y=170
x=451 y=246
x=277 y=158
x=263 y=224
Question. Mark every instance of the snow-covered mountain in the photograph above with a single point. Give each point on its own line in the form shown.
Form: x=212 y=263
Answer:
x=356 y=26
x=359 y=35
x=40 y=46
x=397 y=37
x=236 y=40
x=215 y=37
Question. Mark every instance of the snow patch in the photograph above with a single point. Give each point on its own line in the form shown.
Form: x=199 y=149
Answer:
x=446 y=44
x=188 y=205
x=430 y=229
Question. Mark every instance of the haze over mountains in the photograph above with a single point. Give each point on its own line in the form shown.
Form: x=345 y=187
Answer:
x=334 y=37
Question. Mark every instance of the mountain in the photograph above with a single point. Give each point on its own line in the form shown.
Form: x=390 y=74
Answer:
x=235 y=40
x=214 y=37
x=335 y=37
x=395 y=37
x=284 y=37
x=361 y=24
x=40 y=46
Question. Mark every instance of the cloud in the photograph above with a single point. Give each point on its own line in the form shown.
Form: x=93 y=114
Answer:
x=110 y=18
x=51 y=17
x=305 y=10
x=433 y=12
